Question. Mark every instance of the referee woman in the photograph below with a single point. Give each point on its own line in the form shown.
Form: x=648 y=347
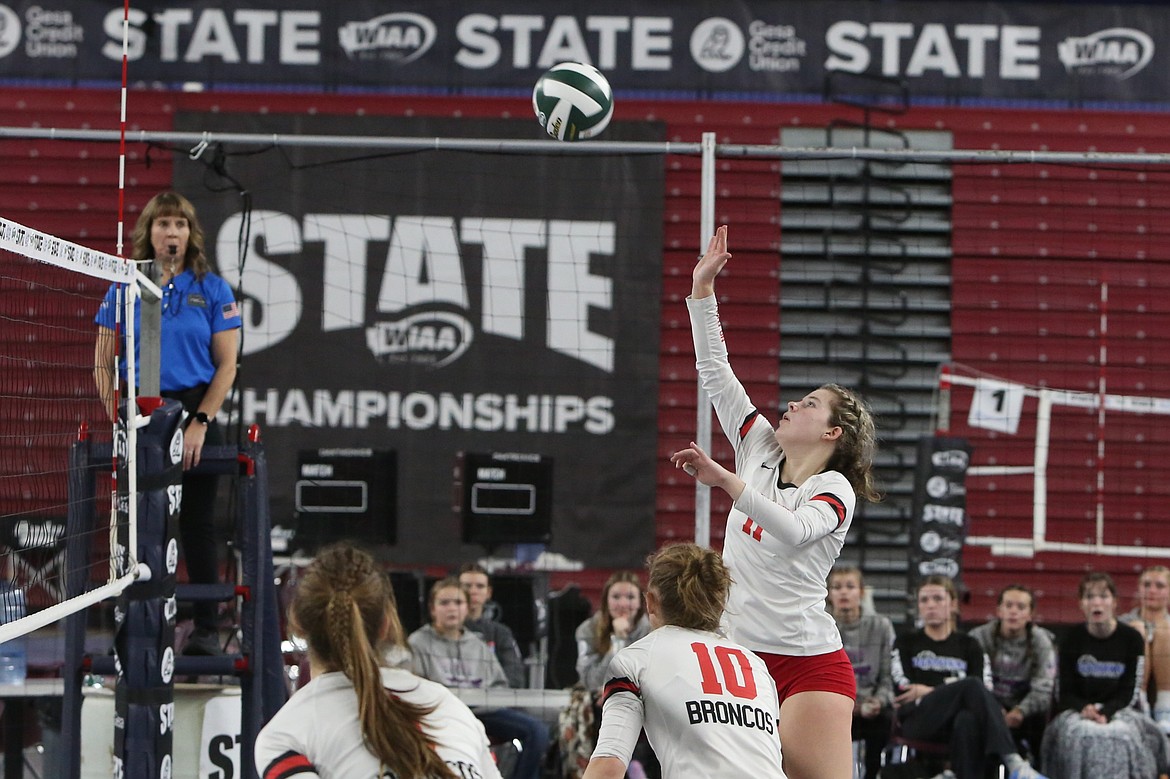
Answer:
x=199 y=344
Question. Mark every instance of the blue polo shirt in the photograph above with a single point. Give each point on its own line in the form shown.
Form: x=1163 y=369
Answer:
x=193 y=311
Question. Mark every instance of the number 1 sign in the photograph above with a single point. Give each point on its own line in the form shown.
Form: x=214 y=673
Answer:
x=996 y=405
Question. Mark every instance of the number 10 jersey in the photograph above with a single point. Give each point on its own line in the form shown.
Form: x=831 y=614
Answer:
x=709 y=706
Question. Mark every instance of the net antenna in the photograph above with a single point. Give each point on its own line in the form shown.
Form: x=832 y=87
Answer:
x=52 y=286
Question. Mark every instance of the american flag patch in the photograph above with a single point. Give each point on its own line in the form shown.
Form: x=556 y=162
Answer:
x=231 y=310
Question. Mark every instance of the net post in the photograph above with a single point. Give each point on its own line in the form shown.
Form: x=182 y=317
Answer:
x=145 y=620
x=942 y=406
x=81 y=519
x=263 y=686
x=151 y=336
x=1040 y=469
x=702 y=404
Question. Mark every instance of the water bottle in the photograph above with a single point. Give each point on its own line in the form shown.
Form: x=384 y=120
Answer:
x=14 y=653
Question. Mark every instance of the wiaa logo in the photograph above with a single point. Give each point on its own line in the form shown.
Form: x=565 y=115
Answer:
x=430 y=338
x=1119 y=52
x=397 y=38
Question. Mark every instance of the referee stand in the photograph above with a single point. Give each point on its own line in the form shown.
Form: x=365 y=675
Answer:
x=145 y=661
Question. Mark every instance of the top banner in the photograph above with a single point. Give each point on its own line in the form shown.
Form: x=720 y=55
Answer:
x=952 y=51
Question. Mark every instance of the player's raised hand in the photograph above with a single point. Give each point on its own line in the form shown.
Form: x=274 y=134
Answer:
x=709 y=265
x=699 y=464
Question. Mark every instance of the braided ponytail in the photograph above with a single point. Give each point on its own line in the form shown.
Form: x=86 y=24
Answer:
x=344 y=606
x=854 y=454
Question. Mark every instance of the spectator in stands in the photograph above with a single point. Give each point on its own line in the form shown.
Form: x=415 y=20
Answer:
x=477 y=585
x=619 y=622
x=1151 y=619
x=199 y=346
x=445 y=652
x=943 y=684
x=1023 y=666
x=868 y=640
x=357 y=718
x=660 y=681
x=1098 y=732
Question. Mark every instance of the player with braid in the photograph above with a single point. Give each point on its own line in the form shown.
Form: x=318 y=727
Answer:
x=356 y=717
x=794 y=490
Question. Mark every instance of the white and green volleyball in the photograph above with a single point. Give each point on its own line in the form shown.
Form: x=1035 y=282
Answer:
x=573 y=101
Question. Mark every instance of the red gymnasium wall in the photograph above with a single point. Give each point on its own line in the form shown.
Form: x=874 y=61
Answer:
x=1023 y=246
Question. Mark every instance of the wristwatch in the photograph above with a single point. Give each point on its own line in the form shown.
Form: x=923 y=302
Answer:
x=201 y=417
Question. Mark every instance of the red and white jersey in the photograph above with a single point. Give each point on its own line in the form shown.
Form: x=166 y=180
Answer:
x=317 y=732
x=708 y=705
x=781 y=540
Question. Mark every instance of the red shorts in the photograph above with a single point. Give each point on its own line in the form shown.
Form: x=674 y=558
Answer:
x=830 y=672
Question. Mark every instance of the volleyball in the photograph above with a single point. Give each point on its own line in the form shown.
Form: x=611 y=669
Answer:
x=573 y=101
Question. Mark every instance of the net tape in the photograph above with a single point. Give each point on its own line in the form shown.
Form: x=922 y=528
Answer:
x=26 y=241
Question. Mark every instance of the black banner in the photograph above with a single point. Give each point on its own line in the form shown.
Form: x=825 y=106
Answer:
x=768 y=50
x=938 y=526
x=437 y=302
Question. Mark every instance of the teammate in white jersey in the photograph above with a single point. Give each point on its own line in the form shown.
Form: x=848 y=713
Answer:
x=708 y=705
x=356 y=718
x=794 y=491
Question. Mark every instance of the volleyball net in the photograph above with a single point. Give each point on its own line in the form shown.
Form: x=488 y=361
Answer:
x=1046 y=272
x=864 y=257
x=53 y=561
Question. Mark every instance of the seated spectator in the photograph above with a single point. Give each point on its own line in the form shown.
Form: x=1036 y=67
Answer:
x=445 y=652
x=943 y=684
x=619 y=622
x=868 y=640
x=1097 y=732
x=1023 y=666
x=357 y=717
x=476 y=584
x=1151 y=618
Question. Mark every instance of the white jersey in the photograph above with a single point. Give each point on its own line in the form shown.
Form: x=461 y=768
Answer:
x=781 y=540
x=708 y=705
x=317 y=732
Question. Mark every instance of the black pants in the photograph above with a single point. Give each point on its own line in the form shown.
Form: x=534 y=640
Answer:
x=965 y=715
x=197 y=517
x=1028 y=737
x=875 y=733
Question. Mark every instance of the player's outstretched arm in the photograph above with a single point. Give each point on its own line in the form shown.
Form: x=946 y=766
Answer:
x=709 y=265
